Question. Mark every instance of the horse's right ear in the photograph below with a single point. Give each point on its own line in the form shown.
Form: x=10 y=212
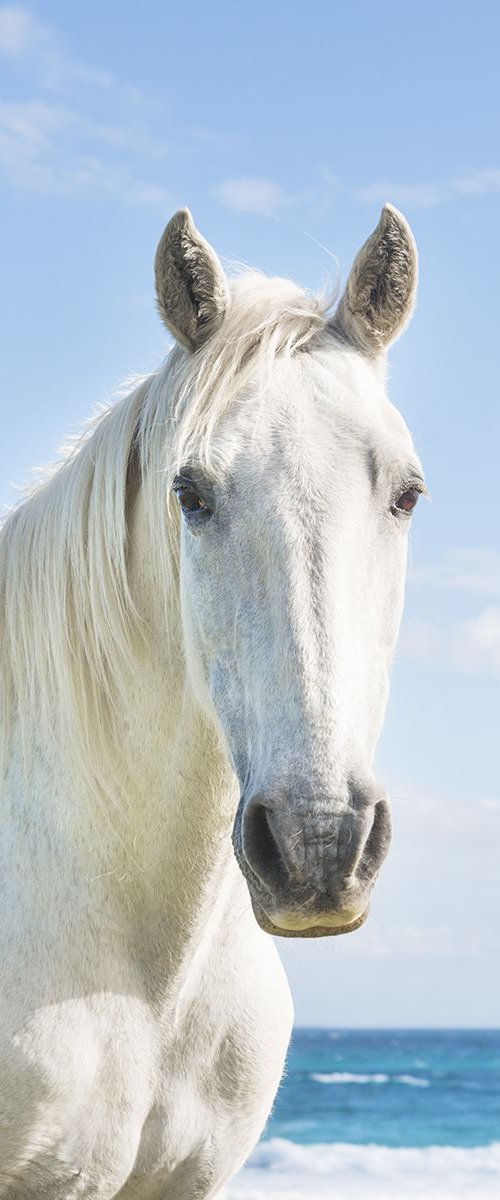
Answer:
x=191 y=287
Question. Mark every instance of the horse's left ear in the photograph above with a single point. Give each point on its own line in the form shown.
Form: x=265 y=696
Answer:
x=380 y=292
x=191 y=287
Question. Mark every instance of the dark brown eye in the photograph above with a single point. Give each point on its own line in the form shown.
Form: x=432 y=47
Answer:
x=407 y=501
x=189 y=499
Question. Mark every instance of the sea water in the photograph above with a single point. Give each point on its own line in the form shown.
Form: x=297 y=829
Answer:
x=382 y=1115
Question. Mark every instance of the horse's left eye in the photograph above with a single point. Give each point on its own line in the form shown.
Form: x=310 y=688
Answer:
x=407 y=501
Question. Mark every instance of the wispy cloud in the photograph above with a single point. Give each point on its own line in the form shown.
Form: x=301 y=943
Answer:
x=438 y=941
x=429 y=193
x=471 y=646
x=490 y=804
x=478 y=182
x=33 y=46
x=21 y=33
x=407 y=195
x=415 y=942
x=266 y=195
x=252 y=195
x=475 y=572
x=79 y=130
x=84 y=132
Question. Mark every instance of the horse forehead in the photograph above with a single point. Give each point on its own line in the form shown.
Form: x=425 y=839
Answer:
x=318 y=406
x=348 y=407
x=348 y=390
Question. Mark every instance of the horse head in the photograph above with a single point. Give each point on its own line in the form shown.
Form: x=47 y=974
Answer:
x=296 y=479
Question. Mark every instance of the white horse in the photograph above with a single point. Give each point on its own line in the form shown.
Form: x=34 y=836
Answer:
x=198 y=612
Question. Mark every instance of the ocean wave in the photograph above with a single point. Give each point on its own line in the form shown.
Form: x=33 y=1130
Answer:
x=348 y=1077
x=345 y=1171
x=380 y=1077
x=278 y=1154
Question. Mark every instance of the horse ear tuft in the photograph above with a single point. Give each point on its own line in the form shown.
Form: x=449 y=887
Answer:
x=191 y=287
x=380 y=292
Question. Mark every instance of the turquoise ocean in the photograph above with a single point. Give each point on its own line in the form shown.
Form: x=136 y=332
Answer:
x=382 y=1115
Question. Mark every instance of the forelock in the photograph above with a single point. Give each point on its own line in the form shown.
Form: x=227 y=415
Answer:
x=267 y=318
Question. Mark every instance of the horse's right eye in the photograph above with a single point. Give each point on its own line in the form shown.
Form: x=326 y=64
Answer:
x=191 y=503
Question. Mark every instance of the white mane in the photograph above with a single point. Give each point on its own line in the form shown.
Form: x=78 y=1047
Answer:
x=68 y=624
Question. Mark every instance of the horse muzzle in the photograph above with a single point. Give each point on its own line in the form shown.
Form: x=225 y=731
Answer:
x=311 y=867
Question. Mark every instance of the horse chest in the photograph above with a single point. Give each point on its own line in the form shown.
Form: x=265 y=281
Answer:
x=205 y=1119
x=116 y=1104
x=102 y=1150
x=176 y=1156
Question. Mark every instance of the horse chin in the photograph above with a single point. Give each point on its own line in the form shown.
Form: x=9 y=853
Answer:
x=306 y=931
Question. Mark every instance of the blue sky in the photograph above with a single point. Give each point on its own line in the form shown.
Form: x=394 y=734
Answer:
x=284 y=128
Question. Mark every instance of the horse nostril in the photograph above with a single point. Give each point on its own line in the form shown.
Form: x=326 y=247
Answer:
x=377 y=843
x=259 y=844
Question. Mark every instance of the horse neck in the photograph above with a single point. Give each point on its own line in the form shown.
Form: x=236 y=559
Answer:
x=153 y=847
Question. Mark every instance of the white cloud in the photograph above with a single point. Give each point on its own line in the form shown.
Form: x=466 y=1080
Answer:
x=490 y=804
x=83 y=133
x=471 y=646
x=473 y=571
x=19 y=32
x=56 y=149
x=477 y=182
x=428 y=193
x=250 y=195
x=264 y=196
x=478 y=644
x=113 y=148
x=436 y=941
x=35 y=47
x=416 y=195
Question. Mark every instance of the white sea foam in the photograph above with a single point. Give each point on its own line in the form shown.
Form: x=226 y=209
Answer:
x=413 y=1080
x=349 y=1077
x=283 y=1169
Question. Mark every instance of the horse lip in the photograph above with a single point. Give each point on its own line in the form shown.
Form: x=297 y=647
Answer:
x=264 y=920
